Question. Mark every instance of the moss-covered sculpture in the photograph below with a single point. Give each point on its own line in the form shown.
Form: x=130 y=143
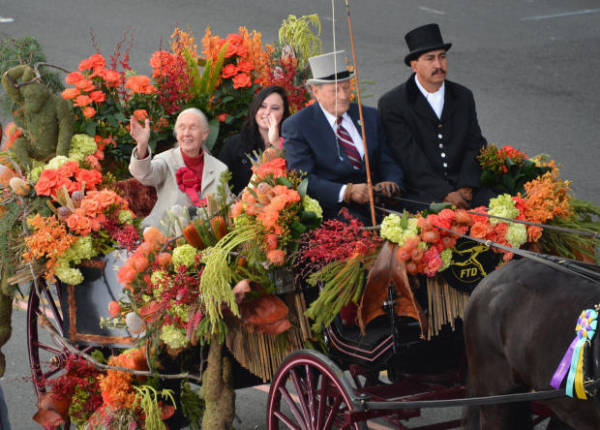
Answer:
x=45 y=118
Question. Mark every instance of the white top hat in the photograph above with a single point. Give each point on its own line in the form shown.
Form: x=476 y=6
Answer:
x=329 y=68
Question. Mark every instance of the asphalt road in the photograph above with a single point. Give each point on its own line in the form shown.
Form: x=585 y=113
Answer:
x=531 y=64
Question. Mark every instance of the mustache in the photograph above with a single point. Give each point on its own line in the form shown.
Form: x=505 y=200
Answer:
x=438 y=71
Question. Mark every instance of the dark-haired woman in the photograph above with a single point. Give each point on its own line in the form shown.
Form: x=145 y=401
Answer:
x=260 y=131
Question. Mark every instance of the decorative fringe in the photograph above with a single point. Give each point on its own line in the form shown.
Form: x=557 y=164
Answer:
x=446 y=304
x=262 y=354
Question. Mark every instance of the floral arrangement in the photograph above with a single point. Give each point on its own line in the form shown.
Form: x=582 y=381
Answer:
x=507 y=169
x=275 y=204
x=96 y=399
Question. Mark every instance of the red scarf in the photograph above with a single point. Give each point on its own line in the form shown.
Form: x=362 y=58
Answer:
x=189 y=178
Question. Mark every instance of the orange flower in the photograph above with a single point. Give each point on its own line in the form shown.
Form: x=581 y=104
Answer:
x=480 y=230
x=78 y=224
x=140 y=84
x=245 y=66
x=97 y=96
x=70 y=93
x=49 y=178
x=222 y=117
x=85 y=85
x=95 y=62
x=271 y=241
x=237 y=209
x=114 y=308
x=111 y=77
x=74 y=77
x=68 y=169
x=276 y=257
x=228 y=71
x=141 y=115
x=90 y=206
x=241 y=80
x=275 y=167
x=82 y=101
x=161 y=62
x=90 y=177
x=106 y=198
x=88 y=111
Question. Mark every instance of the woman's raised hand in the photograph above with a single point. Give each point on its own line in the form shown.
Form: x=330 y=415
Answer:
x=141 y=135
x=273 y=131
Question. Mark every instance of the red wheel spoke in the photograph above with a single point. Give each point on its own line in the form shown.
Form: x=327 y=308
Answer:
x=286 y=420
x=48 y=348
x=333 y=412
x=292 y=405
x=310 y=394
x=322 y=402
x=302 y=396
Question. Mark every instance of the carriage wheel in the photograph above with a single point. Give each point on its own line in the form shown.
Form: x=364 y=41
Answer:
x=310 y=392
x=46 y=359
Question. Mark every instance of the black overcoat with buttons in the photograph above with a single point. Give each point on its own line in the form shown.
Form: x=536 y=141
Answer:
x=236 y=155
x=437 y=156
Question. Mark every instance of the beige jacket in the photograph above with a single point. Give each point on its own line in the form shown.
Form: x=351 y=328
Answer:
x=160 y=172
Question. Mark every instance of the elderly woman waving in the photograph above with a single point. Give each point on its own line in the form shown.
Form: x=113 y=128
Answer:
x=183 y=175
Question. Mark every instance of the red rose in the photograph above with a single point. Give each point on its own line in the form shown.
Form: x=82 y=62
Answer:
x=241 y=80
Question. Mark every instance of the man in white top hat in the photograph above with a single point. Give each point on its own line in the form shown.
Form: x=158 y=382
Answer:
x=324 y=141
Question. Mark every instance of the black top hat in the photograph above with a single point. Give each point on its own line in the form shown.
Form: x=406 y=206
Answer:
x=424 y=39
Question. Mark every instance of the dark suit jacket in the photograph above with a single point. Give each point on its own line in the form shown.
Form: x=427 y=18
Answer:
x=311 y=147
x=421 y=143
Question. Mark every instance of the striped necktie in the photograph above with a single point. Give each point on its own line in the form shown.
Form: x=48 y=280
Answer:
x=348 y=144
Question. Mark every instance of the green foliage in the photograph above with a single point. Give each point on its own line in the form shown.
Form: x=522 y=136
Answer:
x=192 y=406
x=26 y=50
x=148 y=398
x=573 y=245
x=298 y=34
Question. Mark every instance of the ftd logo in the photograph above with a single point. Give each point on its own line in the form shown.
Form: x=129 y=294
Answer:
x=469 y=272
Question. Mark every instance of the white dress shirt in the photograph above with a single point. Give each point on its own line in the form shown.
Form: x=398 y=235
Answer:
x=436 y=100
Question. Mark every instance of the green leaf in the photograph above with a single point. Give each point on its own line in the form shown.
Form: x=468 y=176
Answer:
x=303 y=188
x=90 y=129
x=282 y=180
x=437 y=207
x=213 y=133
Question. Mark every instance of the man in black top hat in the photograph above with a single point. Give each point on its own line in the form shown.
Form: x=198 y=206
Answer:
x=432 y=128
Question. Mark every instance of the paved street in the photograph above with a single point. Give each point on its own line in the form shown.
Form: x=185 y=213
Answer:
x=532 y=66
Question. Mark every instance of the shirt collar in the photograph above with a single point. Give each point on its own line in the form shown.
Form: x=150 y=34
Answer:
x=331 y=119
x=438 y=94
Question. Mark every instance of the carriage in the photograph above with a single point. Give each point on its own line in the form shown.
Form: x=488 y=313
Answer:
x=390 y=373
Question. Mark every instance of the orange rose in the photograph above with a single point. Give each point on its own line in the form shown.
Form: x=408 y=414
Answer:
x=81 y=225
x=234 y=39
x=241 y=80
x=97 y=96
x=111 y=77
x=480 y=230
x=70 y=185
x=106 y=198
x=275 y=167
x=88 y=111
x=114 y=308
x=44 y=186
x=68 y=169
x=230 y=50
x=85 y=85
x=228 y=71
x=245 y=66
x=90 y=177
x=90 y=206
x=161 y=62
x=140 y=84
x=82 y=101
x=74 y=77
x=70 y=93
x=241 y=51
x=95 y=62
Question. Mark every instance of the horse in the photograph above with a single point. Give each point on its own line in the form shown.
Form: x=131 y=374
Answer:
x=518 y=324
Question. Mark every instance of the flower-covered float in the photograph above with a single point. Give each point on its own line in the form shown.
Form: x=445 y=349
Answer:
x=227 y=273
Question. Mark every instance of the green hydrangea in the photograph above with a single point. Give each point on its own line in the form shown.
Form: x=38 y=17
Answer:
x=82 y=145
x=393 y=230
x=173 y=337
x=83 y=249
x=125 y=217
x=184 y=255
x=182 y=311
x=311 y=205
x=503 y=206
x=67 y=274
x=446 y=256
x=516 y=235
x=56 y=162
x=241 y=220
x=34 y=174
